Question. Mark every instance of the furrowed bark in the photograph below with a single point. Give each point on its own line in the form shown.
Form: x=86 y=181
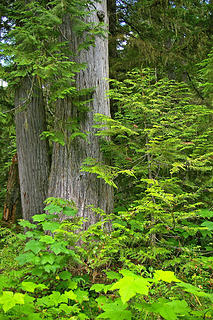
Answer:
x=66 y=180
x=33 y=162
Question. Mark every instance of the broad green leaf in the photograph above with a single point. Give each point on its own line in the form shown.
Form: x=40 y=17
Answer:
x=28 y=286
x=70 y=211
x=101 y=300
x=115 y=311
x=8 y=300
x=23 y=237
x=41 y=286
x=24 y=258
x=169 y=310
x=40 y=217
x=97 y=287
x=82 y=316
x=174 y=307
x=35 y=316
x=71 y=284
x=208 y=225
x=78 y=134
x=18 y=298
x=167 y=276
x=51 y=225
x=29 y=234
x=101 y=287
x=48 y=258
x=52 y=208
x=81 y=295
x=70 y=295
x=51 y=268
x=129 y=286
x=69 y=309
x=47 y=239
x=205 y=213
x=58 y=247
x=31 y=286
x=27 y=224
x=34 y=246
x=65 y=275
x=53 y=300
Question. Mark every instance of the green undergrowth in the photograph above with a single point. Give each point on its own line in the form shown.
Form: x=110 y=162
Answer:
x=50 y=276
x=151 y=258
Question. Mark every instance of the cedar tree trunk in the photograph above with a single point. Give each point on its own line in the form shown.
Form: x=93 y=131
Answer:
x=66 y=180
x=33 y=162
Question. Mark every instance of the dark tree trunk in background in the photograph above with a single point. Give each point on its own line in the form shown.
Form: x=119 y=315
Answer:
x=66 y=180
x=111 y=5
x=33 y=159
x=12 y=205
x=113 y=52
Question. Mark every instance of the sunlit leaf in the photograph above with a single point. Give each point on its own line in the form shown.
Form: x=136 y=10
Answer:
x=129 y=286
x=167 y=276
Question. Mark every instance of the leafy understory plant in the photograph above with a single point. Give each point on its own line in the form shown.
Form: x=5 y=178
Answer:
x=135 y=298
x=161 y=135
x=47 y=288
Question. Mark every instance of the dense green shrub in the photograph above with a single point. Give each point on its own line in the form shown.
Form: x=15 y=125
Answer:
x=55 y=281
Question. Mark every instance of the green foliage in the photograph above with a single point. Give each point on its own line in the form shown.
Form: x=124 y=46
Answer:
x=33 y=45
x=46 y=283
x=207 y=76
x=10 y=247
x=48 y=290
x=45 y=287
x=68 y=131
x=8 y=300
x=163 y=214
x=136 y=288
x=168 y=36
x=164 y=143
x=134 y=284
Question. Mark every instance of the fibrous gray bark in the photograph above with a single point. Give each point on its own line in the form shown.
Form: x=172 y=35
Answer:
x=32 y=153
x=66 y=180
